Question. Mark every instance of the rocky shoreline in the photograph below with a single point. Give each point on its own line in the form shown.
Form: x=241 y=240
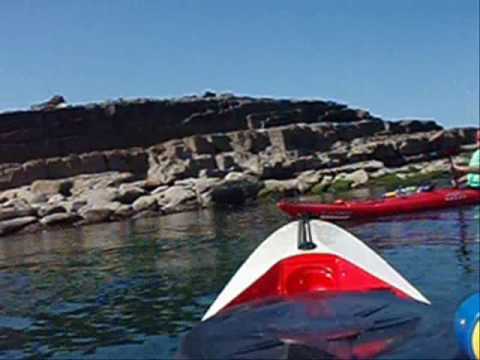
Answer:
x=118 y=160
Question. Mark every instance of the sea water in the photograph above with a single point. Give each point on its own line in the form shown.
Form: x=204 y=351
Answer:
x=133 y=289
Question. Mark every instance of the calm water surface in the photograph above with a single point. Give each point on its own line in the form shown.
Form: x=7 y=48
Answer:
x=130 y=290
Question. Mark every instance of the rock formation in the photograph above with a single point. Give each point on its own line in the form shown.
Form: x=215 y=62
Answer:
x=115 y=160
x=55 y=102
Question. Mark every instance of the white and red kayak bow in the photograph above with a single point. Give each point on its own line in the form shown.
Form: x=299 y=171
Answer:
x=310 y=256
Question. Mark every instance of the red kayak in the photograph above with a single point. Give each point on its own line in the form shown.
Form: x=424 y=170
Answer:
x=346 y=210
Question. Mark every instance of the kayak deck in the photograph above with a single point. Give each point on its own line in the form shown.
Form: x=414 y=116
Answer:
x=432 y=200
x=306 y=257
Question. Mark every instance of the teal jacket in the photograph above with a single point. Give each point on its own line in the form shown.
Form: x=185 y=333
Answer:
x=473 y=180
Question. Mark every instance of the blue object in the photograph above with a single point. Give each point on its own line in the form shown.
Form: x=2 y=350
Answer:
x=467 y=326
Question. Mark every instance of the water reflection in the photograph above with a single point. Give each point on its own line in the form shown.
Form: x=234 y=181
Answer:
x=130 y=289
x=309 y=326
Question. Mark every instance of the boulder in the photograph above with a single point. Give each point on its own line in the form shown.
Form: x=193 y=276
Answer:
x=159 y=189
x=52 y=187
x=138 y=161
x=226 y=162
x=380 y=150
x=446 y=143
x=249 y=141
x=307 y=163
x=209 y=94
x=307 y=179
x=141 y=184
x=201 y=162
x=235 y=192
x=128 y=194
x=340 y=156
x=279 y=186
x=187 y=183
x=239 y=176
x=466 y=135
x=174 y=149
x=55 y=199
x=34 y=170
x=117 y=160
x=93 y=163
x=87 y=182
x=347 y=131
x=99 y=196
x=250 y=163
x=32 y=197
x=12 y=177
x=12 y=225
x=96 y=215
x=412 y=126
x=62 y=167
x=11 y=194
x=442 y=165
x=384 y=152
x=278 y=170
x=205 y=184
x=73 y=205
x=297 y=137
x=8 y=213
x=211 y=173
x=221 y=143
x=380 y=173
x=357 y=178
x=55 y=102
x=199 y=144
x=99 y=212
x=323 y=185
x=344 y=115
x=16 y=203
x=123 y=211
x=167 y=172
x=133 y=161
x=273 y=118
x=145 y=203
x=413 y=146
x=119 y=178
x=50 y=209
x=175 y=198
x=370 y=127
x=59 y=219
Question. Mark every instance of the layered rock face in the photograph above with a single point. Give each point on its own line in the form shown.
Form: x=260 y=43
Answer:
x=114 y=160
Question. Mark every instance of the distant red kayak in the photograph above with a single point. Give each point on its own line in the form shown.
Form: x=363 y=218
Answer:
x=346 y=210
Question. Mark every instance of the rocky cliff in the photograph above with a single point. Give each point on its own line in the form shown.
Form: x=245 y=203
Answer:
x=118 y=159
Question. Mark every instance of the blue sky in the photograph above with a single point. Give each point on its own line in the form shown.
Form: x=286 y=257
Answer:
x=398 y=59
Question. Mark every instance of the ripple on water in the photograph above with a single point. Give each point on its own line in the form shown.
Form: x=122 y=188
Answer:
x=129 y=290
x=14 y=323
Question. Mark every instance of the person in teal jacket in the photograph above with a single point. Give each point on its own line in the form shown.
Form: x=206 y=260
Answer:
x=473 y=169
